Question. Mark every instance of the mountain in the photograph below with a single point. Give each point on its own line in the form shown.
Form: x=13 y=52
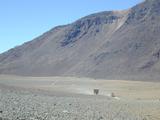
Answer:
x=111 y=45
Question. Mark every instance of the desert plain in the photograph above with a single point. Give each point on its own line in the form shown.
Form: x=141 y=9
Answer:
x=71 y=98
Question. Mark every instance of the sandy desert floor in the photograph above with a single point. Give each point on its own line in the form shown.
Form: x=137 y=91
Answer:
x=69 y=98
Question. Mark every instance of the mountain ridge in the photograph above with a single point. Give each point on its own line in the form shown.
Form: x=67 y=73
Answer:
x=111 y=45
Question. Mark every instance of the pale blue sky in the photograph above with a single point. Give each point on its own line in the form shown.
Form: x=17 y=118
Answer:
x=23 y=20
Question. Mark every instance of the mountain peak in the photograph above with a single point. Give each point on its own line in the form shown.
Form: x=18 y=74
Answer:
x=111 y=45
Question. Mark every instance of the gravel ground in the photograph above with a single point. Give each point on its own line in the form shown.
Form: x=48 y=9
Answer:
x=21 y=104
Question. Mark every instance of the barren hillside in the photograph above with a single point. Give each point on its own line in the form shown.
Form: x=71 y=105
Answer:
x=111 y=45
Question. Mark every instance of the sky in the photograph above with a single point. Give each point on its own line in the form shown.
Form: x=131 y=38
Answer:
x=24 y=20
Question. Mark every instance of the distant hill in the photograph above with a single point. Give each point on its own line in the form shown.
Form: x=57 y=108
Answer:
x=111 y=45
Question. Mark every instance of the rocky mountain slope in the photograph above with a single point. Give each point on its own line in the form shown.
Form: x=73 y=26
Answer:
x=112 y=45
